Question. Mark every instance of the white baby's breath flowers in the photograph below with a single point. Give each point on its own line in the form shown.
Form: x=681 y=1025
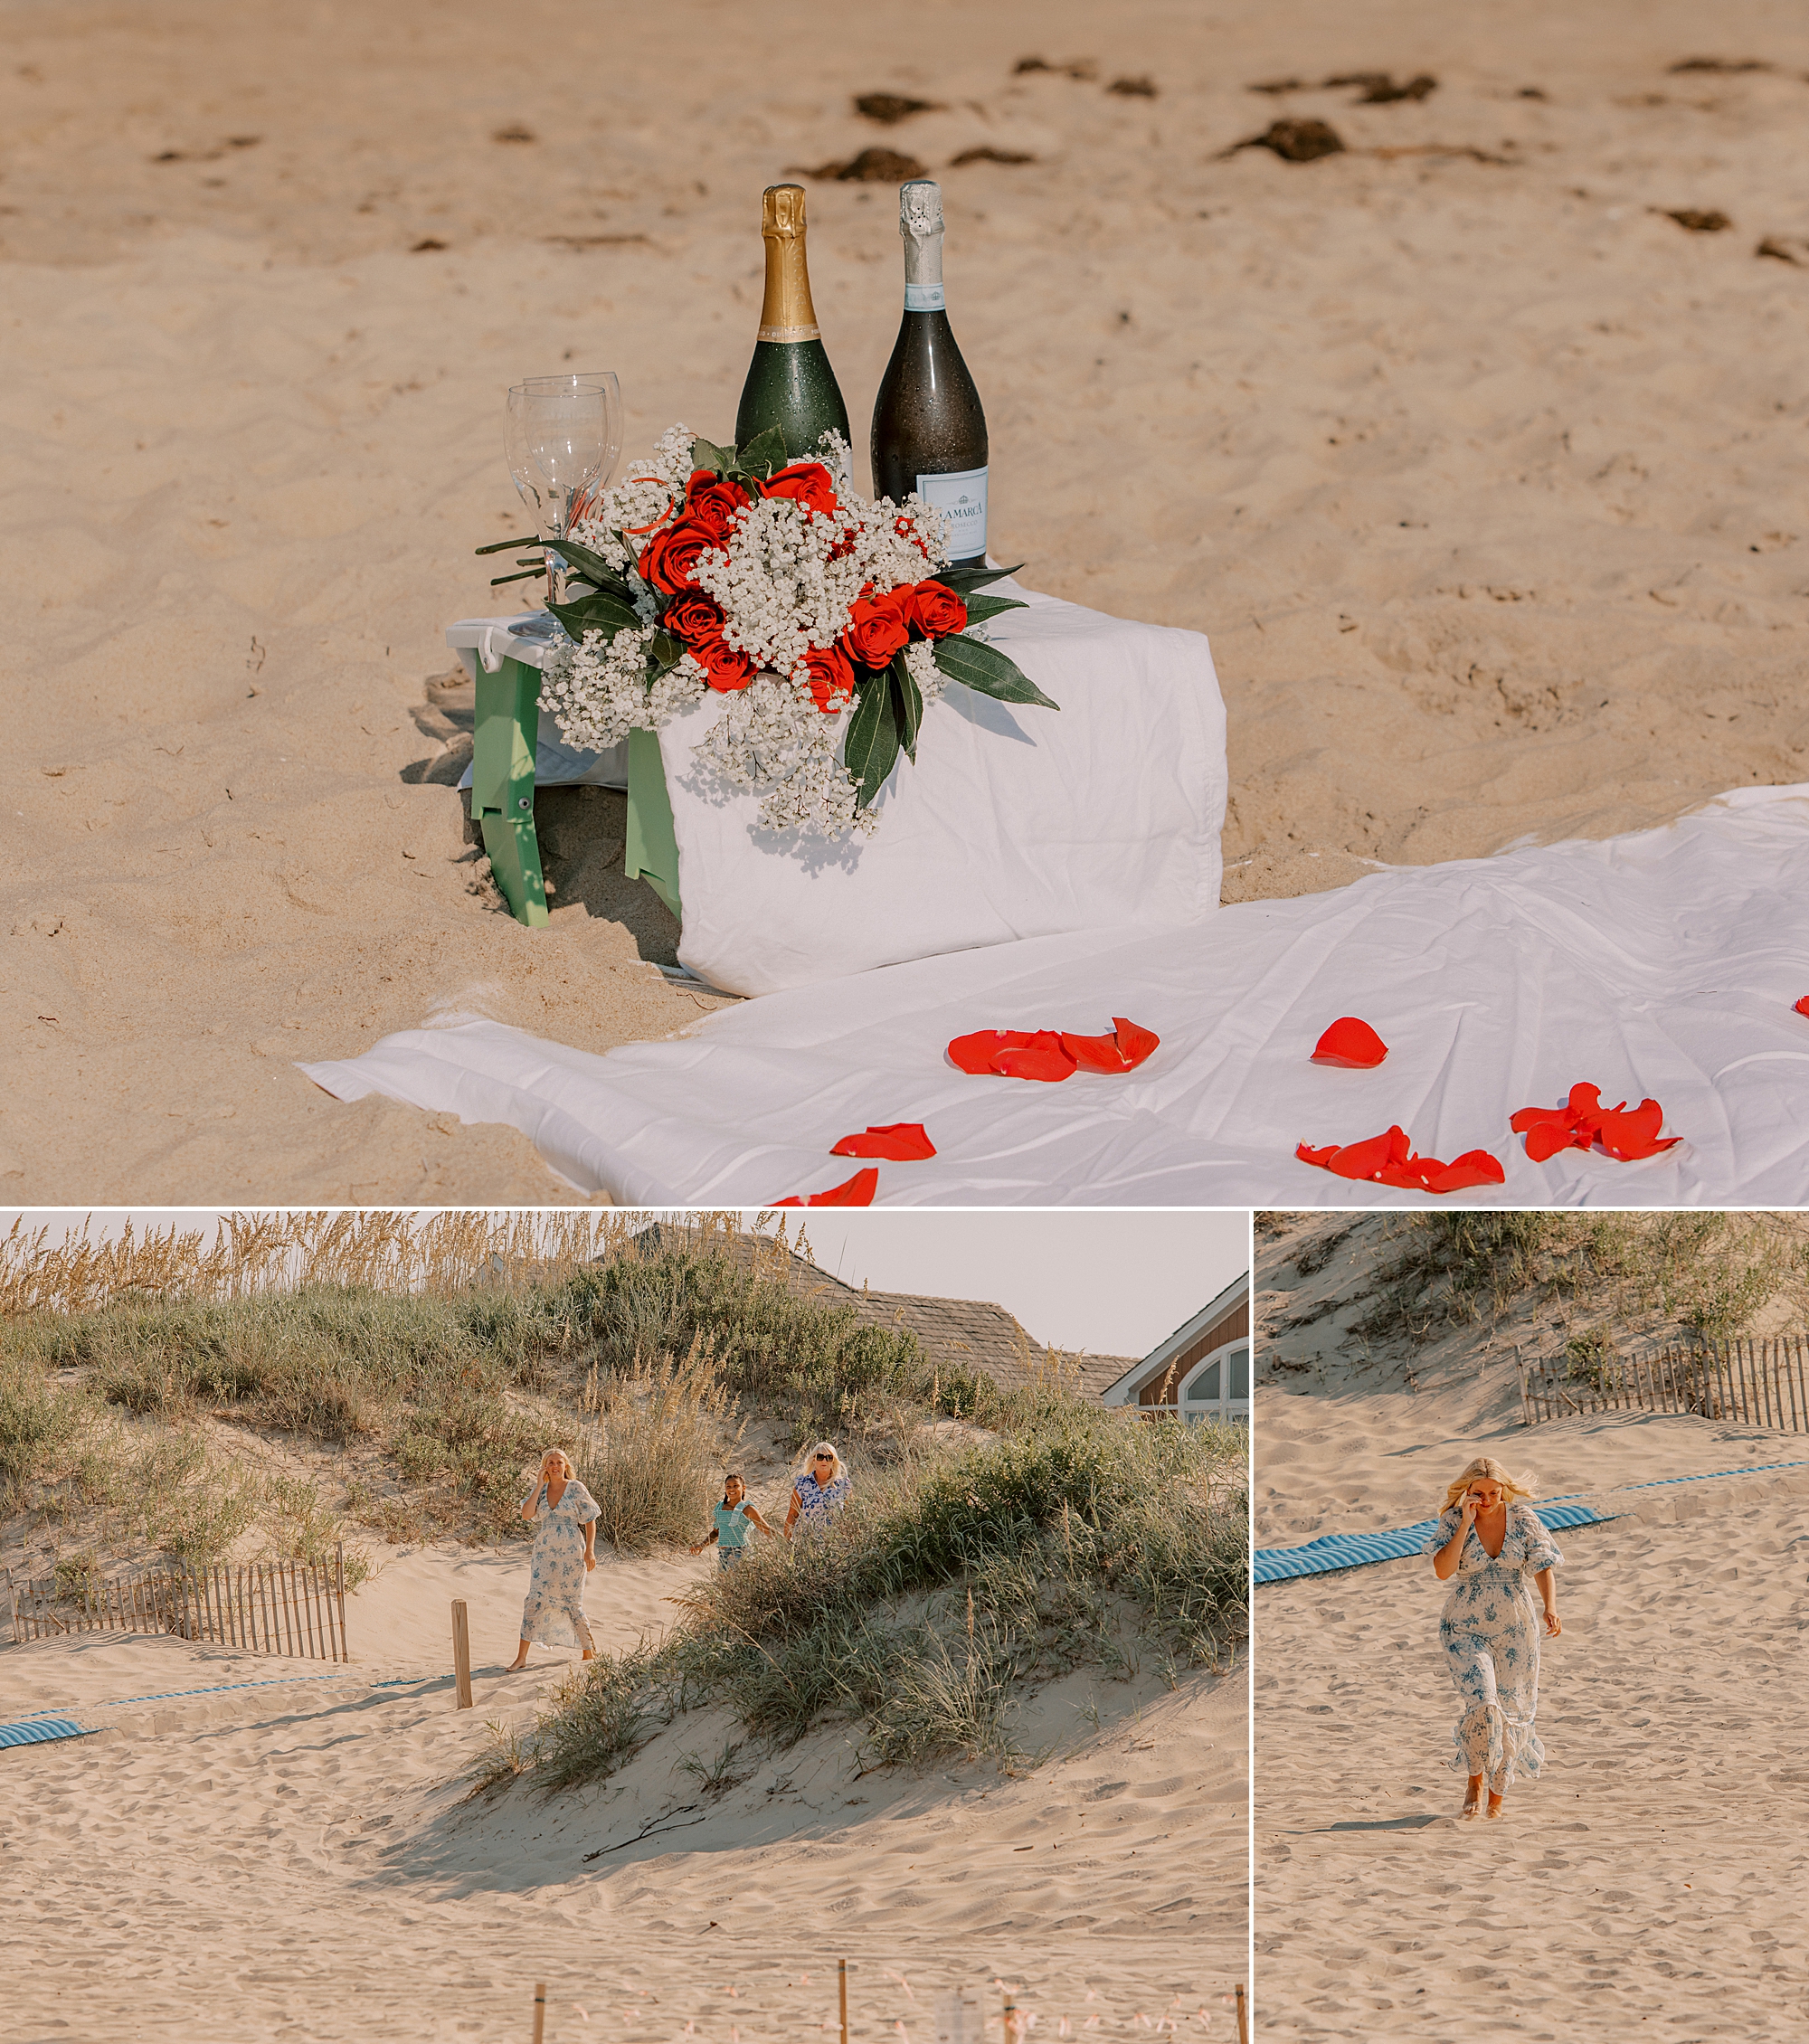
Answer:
x=787 y=580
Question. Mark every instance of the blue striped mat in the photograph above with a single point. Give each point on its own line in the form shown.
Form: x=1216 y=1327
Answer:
x=30 y=1734
x=1352 y=1550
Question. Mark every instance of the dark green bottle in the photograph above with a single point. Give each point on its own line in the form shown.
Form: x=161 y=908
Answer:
x=790 y=384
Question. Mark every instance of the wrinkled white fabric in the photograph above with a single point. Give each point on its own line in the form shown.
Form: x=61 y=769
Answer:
x=1013 y=822
x=1665 y=962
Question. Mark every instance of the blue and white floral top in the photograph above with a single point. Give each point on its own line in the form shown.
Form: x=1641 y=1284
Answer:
x=818 y=1503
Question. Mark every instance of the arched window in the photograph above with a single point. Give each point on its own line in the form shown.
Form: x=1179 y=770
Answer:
x=1219 y=1388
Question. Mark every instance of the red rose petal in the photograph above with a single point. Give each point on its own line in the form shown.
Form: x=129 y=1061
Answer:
x=1388 y=1159
x=857 y=1191
x=1634 y=1134
x=1052 y=1055
x=1476 y=1167
x=1352 y=1042
x=1625 y=1133
x=899 y=1142
x=1803 y=1005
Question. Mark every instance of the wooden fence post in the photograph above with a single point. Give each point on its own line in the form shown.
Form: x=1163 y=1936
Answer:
x=12 y=1601
x=461 y=1653
x=841 y=1971
x=1243 y=2017
x=539 y=2010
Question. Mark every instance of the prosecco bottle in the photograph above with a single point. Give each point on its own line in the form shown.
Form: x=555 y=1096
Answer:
x=790 y=384
x=929 y=432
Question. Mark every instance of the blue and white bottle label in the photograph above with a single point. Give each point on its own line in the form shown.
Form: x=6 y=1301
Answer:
x=960 y=497
x=924 y=297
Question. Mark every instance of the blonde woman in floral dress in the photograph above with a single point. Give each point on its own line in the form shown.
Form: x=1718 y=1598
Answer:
x=564 y=1552
x=1492 y=1548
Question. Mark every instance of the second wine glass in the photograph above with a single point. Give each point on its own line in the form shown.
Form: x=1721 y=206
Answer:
x=563 y=442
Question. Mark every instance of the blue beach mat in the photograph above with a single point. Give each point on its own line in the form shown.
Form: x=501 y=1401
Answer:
x=36 y=1729
x=1352 y=1550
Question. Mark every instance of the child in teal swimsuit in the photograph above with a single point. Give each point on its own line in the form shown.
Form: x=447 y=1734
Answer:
x=731 y=1516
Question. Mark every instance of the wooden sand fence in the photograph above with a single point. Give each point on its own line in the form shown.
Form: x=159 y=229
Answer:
x=295 y=1608
x=1754 y=1382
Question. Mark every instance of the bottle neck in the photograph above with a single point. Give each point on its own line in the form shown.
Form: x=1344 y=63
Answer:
x=786 y=313
x=924 y=270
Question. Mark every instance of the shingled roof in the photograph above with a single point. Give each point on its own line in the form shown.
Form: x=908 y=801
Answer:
x=966 y=1334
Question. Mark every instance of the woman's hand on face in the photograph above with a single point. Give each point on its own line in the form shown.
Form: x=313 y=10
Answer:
x=1469 y=1505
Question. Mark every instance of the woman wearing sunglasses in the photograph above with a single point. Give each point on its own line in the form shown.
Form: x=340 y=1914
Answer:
x=820 y=1493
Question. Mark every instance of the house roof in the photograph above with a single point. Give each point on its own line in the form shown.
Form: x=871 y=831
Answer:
x=966 y=1334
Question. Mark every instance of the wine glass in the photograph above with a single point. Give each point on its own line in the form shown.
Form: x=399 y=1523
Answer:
x=563 y=442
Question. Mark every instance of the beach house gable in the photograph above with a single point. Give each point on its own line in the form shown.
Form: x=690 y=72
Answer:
x=1202 y=1370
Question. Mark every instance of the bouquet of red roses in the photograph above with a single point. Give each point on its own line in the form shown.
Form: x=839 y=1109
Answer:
x=773 y=584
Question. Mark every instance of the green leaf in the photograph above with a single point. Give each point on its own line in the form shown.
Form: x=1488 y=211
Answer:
x=532 y=575
x=764 y=453
x=907 y=704
x=985 y=669
x=980 y=608
x=605 y=612
x=962 y=580
x=587 y=563
x=870 y=749
x=706 y=454
x=667 y=649
x=498 y=546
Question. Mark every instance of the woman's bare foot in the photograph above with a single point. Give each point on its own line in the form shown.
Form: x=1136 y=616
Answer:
x=516 y=1665
x=1494 y=1804
x=1473 y=1796
x=590 y=1653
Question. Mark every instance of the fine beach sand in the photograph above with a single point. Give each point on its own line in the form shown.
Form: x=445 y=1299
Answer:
x=1647 y=1883
x=299 y=1861
x=1483 y=474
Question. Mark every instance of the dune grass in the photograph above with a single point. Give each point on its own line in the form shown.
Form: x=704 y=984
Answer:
x=430 y=1384
x=952 y=1580
x=1705 y=1274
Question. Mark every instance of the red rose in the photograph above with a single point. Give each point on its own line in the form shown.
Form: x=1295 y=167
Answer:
x=936 y=609
x=831 y=676
x=808 y=483
x=726 y=669
x=876 y=629
x=712 y=503
x=698 y=619
x=669 y=559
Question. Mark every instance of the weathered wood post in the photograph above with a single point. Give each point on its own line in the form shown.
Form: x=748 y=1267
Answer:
x=1243 y=2017
x=539 y=1985
x=461 y=1653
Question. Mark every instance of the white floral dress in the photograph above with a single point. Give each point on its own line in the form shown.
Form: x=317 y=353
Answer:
x=553 y=1611
x=1489 y=1630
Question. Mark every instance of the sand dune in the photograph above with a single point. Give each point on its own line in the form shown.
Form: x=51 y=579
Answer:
x=301 y=1861
x=1483 y=474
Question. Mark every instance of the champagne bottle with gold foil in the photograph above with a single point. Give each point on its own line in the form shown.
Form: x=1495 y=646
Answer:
x=790 y=384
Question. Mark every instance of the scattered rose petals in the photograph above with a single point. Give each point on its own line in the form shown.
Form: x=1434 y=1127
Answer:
x=1388 y=1159
x=1052 y=1055
x=1626 y=1133
x=900 y=1142
x=857 y=1191
x=1803 y=1005
x=1350 y=1043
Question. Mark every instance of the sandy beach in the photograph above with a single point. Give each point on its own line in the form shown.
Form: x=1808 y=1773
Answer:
x=1645 y=1883
x=302 y=1860
x=1482 y=471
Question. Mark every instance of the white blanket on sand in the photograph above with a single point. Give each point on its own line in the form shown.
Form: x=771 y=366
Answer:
x=1664 y=963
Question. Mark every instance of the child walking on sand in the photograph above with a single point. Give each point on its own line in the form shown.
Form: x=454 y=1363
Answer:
x=730 y=1532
